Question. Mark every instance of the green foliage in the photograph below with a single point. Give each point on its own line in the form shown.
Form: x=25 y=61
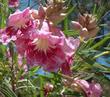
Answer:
x=3 y=12
x=6 y=90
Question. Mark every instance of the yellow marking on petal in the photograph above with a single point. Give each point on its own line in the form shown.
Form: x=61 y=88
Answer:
x=82 y=39
x=42 y=44
x=21 y=24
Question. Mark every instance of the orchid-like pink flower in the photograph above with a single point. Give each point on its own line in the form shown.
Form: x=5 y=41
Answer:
x=46 y=45
x=49 y=48
x=13 y=3
x=46 y=50
x=20 y=20
x=51 y=51
x=91 y=89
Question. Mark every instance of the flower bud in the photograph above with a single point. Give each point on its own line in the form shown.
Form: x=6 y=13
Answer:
x=76 y=25
x=48 y=88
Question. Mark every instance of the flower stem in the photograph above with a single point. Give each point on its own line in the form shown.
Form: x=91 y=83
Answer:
x=12 y=66
x=41 y=87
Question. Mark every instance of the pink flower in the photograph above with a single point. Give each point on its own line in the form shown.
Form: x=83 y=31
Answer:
x=51 y=50
x=70 y=46
x=21 y=45
x=91 y=89
x=20 y=20
x=4 y=38
x=45 y=45
x=13 y=3
x=46 y=50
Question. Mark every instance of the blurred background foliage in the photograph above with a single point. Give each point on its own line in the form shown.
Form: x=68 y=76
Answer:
x=92 y=59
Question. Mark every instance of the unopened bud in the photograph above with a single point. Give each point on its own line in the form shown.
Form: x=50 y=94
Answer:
x=48 y=87
x=76 y=25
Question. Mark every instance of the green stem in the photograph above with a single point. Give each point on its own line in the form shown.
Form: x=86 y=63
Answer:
x=94 y=9
x=41 y=87
x=11 y=49
x=66 y=25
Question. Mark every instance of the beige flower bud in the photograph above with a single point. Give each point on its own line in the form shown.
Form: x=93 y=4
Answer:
x=56 y=12
x=89 y=22
x=76 y=25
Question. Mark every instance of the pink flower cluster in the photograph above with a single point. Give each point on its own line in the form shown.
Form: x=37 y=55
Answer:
x=41 y=42
x=91 y=89
x=88 y=89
